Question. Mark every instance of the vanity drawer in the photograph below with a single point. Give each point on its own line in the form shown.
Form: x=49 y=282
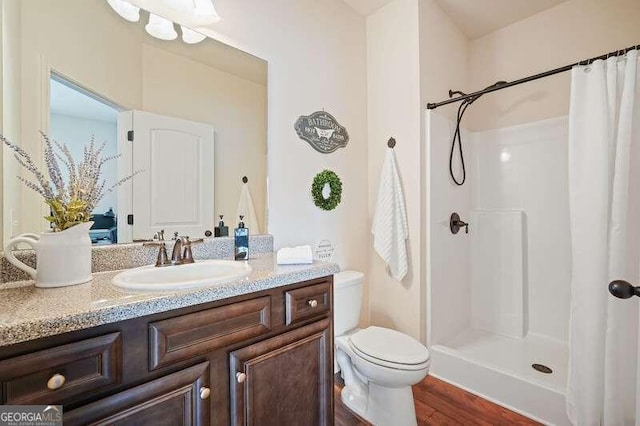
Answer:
x=59 y=374
x=184 y=337
x=307 y=302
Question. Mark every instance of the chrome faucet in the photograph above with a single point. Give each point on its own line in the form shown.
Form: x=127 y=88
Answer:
x=181 y=253
x=187 y=254
x=162 y=259
x=176 y=254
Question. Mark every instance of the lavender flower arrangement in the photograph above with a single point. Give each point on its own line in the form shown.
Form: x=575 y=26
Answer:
x=71 y=200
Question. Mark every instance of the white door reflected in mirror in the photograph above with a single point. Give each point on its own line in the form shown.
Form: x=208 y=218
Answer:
x=175 y=189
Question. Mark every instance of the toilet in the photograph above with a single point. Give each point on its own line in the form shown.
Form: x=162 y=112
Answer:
x=378 y=365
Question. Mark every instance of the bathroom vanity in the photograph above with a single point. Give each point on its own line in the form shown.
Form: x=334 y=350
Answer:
x=256 y=351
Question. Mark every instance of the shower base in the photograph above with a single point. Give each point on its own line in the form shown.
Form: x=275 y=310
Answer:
x=498 y=368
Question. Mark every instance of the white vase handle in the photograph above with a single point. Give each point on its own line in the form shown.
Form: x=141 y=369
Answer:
x=28 y=235
x=32 y=240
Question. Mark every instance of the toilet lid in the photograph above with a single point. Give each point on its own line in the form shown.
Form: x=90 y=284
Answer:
x=390 y=346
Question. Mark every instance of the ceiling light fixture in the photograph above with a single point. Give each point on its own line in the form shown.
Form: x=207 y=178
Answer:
x=161 y=28
x=191 y=37
x=200 y=12
x=205 y=12
x=195 y=13
x=125 y=9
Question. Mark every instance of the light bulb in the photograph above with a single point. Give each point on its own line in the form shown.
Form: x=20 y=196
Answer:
x=182 y=5
x=125 y=9
x=190 y=36
x=204 y=12
x=161 y=28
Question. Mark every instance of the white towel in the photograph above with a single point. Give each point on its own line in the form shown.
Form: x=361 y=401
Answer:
x=390 y=229
x=294 y=255
x=246 y=209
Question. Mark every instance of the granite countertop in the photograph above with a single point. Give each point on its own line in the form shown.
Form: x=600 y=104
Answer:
x=29 y=312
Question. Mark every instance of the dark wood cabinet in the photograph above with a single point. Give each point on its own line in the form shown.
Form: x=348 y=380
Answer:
x=264 y=358
x=308 y=302
x=179 y=338
x=61 y=373
x=180 y=398
x=283 y=380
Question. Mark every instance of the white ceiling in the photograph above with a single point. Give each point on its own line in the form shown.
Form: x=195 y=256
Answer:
x=367 y=7
x=474 y=17
x=209 y=52
x=67 y=101
x=480 y=17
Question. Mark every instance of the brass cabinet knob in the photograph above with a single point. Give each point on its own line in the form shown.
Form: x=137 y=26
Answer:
x=55 y=382
x=313 y=303
x=241 y=377
x=204 y=393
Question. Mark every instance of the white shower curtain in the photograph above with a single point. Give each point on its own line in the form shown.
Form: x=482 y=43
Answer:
x=604 y=182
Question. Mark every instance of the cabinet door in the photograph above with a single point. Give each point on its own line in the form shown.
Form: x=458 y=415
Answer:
x=180 y=398
x=285 y=380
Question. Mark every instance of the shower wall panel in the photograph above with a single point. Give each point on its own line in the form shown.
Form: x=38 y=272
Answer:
x=525 y=168
x=497 y=272
x=449 y=261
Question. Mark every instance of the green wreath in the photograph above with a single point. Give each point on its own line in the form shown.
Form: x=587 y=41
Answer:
x=335 y=184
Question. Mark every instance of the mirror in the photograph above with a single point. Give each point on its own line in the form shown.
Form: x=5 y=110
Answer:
x=192 y=118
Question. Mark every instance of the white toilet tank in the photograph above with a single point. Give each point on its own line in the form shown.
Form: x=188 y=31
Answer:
x=347 y=300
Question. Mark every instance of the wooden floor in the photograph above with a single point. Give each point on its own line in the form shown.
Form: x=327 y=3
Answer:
x=439 y=403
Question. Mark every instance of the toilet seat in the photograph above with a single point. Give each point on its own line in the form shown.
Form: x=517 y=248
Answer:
x=389 y=348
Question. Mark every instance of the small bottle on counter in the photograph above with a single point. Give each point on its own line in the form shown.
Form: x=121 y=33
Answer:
x=221 y=230
x=241 y=241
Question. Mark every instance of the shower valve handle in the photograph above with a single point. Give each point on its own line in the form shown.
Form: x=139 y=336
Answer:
x=623 y=290
x=455 y=223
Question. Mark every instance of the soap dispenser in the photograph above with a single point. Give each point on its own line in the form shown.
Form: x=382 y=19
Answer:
x=241 y=240
x=221 y=230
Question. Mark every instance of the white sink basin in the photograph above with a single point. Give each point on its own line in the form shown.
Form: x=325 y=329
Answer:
x=204 y=273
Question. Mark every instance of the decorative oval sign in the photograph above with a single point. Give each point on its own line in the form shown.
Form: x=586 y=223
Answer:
x=322 y=131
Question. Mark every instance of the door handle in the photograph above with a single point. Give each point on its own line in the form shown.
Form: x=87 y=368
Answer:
x=623 y=290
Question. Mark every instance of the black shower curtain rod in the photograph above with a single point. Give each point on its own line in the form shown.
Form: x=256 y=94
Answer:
x=504 y=84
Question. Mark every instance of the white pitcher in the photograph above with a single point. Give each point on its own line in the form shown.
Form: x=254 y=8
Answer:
x=62 y=258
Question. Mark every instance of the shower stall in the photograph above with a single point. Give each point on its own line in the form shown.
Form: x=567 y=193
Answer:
x=521 y=253
x=499 y=295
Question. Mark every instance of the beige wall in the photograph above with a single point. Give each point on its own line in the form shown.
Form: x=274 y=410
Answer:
x=393 y=67
x=85 y=41
x=316 y=51
x=415 y=53
x=444 y=56
x=567 y=33
x=11 y=101
x=179 y=87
